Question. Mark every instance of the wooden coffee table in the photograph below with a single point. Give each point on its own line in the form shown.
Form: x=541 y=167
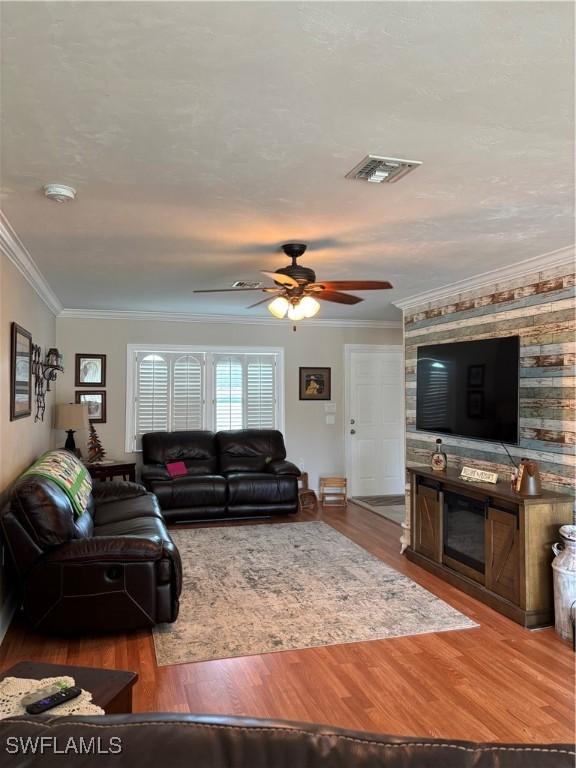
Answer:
x=111 y=689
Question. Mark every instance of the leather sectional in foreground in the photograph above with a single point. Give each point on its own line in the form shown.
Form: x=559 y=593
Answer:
x=114 y=567
x=195 y=741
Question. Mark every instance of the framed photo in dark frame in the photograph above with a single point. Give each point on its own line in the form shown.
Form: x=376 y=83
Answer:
x=475 y=405
x=90 y=370
x=315 y=384
x=96 y=402
x=20 y=372
x=476 y=375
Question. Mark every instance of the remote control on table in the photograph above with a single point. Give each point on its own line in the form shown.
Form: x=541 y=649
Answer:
x=52 y=701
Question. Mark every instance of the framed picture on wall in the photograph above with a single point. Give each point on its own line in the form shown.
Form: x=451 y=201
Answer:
x=90 y=370
x=476 y=375
x=475 y=409
x=20 y=373
x=96 y=402
x=315 y=384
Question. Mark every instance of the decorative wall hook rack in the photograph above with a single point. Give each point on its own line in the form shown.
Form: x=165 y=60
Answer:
x=44 y=372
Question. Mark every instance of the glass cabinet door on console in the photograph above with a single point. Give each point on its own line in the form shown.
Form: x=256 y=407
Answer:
x=502 y=557
x=428 y=521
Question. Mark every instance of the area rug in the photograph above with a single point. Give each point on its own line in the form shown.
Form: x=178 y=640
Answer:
x=391 y=507
x=254 y=589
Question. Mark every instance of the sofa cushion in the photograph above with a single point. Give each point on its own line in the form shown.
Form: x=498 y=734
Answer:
x=127 y=509
x=256 y=488
x=196 y=448
x=138 y=526
x=249 y=450
x=190 y=491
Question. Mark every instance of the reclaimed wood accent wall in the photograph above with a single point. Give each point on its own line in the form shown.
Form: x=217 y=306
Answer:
x=540 y=308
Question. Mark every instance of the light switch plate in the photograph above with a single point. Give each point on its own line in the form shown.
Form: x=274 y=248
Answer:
x=329 y=407
x=330 y=419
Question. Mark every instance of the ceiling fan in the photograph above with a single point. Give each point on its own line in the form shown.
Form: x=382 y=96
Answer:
x=297 y=291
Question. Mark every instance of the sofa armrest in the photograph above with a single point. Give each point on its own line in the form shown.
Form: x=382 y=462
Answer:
x=154 y=472
x=105 y=492
x=117 y=548
x=283 y=467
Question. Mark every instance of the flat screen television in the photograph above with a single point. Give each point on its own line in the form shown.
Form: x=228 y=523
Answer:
x=469 y=389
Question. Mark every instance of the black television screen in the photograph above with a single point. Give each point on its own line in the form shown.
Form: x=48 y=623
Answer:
x=469 y=389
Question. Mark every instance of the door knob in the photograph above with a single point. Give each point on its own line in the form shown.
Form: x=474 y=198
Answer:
x=352 y=431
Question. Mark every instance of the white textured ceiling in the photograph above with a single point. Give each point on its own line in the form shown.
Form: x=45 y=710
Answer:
x=200 y=136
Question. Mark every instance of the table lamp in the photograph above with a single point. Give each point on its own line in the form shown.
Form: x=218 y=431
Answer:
x=70 y=417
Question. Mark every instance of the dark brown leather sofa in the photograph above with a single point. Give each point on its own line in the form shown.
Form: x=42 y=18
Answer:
x=237 y=473
x=114 y=567
x=192 y=741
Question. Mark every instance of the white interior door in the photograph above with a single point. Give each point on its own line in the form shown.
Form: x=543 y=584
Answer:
x=375 y=421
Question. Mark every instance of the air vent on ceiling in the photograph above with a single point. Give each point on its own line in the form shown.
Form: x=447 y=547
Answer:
x=247 y=284
x=382 y=169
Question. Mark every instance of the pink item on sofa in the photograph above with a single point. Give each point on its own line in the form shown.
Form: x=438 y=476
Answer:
x=176 y=469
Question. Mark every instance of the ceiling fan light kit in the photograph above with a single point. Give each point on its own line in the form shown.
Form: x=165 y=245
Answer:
x=297 y=291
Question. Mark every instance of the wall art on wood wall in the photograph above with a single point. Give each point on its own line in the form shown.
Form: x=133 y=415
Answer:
x=96 y=402
x=90 y=370
x=20 y=373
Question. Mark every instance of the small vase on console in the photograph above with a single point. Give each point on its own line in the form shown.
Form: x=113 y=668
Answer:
x=439 y=460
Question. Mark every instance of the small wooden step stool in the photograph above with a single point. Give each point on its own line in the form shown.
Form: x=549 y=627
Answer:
x=333 y=491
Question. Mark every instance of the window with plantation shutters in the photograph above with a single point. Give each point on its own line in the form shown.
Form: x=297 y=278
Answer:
x=152 y=398
x=260 y=392
x=187 y=393
x=245 y=391
x=201 y=388
x=229 y=393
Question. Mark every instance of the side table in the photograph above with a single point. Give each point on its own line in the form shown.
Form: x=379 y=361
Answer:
x=108 y=470
x=111 y=689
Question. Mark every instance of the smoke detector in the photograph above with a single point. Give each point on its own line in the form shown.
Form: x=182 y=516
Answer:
x=379 y=170
x=60 y=193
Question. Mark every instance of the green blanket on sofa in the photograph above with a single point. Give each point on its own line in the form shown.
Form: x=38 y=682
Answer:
x=69 y=474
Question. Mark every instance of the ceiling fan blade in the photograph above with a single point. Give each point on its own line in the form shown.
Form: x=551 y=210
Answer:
x=229 y=290
x=286 y=280
x=352 y=285
x=262 y=301
x=339 y=298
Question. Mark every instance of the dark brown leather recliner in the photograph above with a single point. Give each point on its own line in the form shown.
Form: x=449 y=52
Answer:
x=237 y=473
x=195 y=741
x=114 y=567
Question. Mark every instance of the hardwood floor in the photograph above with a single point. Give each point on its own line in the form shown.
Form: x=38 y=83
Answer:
x=498 y=682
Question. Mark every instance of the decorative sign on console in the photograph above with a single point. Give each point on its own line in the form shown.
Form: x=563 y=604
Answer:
x=478 y=475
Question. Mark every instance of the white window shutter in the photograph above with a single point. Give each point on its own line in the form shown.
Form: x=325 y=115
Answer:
x=187 y=394
x=152 y=408
x=228 y=392
x=260 y=392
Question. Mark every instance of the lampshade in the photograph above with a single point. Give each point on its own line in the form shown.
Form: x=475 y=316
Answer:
x=278 y=307
x=310 y=306
x=295 y=312
x=71 y=416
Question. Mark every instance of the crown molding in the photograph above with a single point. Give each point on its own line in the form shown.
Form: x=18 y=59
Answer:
x=548 y=260
x=183 y=317
x=15 y=250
